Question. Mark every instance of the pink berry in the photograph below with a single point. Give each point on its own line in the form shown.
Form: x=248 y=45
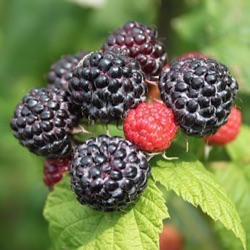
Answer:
x=227 y=132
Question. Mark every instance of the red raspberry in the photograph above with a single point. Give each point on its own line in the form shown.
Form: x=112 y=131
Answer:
x=150 y=126
x=227 y=132
x=171 y=238
x=54 y=169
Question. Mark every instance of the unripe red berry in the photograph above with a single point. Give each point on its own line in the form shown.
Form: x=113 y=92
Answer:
x=171 y=239
x=229 y=131
x=54 y=169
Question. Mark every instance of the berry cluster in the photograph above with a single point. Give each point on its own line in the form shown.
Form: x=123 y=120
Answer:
x=114 y=84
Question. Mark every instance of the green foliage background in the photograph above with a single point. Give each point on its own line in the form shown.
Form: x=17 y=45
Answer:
x=34 y=34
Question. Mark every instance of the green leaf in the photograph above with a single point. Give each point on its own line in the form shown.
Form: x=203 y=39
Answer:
x=72 y=225
x=239 y=148
x=236 y=180
x=191 y=181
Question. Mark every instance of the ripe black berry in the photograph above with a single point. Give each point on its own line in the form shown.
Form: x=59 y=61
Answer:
x=141 y=42
x=61 y=71
x=200 y=92
x=107 y=85
x=108 y=173
x=43 y=122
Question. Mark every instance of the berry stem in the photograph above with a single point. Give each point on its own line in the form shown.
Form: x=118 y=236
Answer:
x=107 y=131
x=163 y=154
x=80 y=129
x=207 y=150
x=168 y=158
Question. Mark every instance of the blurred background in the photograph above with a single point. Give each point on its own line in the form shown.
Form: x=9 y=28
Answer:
x=34 y=34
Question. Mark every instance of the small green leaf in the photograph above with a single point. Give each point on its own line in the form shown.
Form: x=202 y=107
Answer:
x=191 y=181
x=73 y=225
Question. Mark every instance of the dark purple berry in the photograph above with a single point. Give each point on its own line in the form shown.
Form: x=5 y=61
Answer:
x=43 y=122
x=141 y=42
x=61 y=71
x=54 y=169
x=107 y=85
x=110 y=177
x=200 y=91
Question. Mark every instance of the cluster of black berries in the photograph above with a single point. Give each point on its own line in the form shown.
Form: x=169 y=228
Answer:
x=101 y=86
x=109 y=172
